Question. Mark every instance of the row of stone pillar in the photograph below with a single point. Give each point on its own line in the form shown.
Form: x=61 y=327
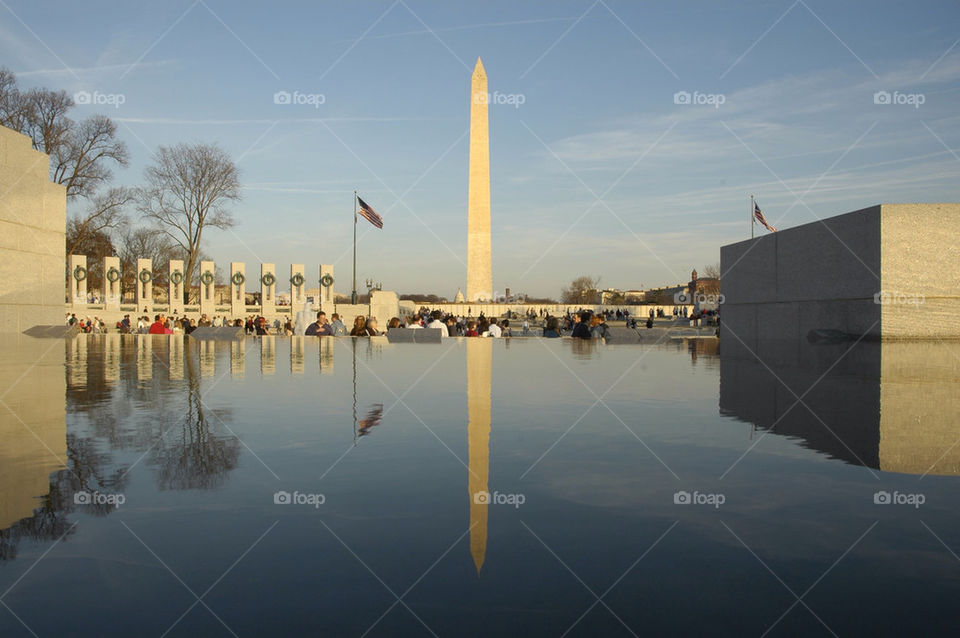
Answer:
x=207 y=304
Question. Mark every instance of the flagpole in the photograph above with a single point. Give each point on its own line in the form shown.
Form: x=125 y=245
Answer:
x=353 y=296
x=752 y=219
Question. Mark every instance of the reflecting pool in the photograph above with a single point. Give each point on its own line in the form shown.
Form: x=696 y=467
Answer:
x=152 y=485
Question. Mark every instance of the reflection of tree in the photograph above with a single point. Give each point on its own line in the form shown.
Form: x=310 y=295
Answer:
x=126 y=414
x=191 y=456
x=87 y=470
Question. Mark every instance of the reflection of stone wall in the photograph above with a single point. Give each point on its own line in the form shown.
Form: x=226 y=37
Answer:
x=889 y=405
x=33 y=439
x=32 y=228
x=825 y=275
x=919 y=404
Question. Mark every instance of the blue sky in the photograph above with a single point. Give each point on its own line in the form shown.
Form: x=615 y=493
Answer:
x=599 y=171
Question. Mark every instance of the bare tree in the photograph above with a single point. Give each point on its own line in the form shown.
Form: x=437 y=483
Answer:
x=187 y=189
x=13 y=107
x=81 y=153
x=142 y=243
x=105 y=212
x=82 y=160
x=582 y=290
x=709 y=282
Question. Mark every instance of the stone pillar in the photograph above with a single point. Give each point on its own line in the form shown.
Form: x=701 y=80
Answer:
x=326 y=292
x=77 y=265
x=479 y=276
x=178 y=283
x=144 y=286
x=298 y=294
x=268 y=289
x=208 y=283
x=111 y=289
x=238 y=291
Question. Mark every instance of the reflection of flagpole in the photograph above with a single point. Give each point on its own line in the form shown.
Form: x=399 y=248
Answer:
x=752 y=221
x=354 y=392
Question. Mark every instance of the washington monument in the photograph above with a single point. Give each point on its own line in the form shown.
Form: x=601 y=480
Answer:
x=479 y=277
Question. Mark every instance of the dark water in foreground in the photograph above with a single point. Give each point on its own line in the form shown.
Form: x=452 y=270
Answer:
x=282 y=487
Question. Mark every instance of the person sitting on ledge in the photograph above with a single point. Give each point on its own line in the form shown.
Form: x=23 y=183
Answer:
x=552 y=331
x=494 y=330
x=372 y=327
x=318 y=328
x=359 y=327
x=262 y=327
x=337 y=329
x=471 y=330
x=394 y=323
x=436 y=323
x=581 y=327
x=158 y=327
x=413 y=322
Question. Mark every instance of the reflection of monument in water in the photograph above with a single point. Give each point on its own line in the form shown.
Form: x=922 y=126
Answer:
x=479 y=363
x=888 y=405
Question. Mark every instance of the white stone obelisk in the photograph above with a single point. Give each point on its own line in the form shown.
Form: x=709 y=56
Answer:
x=479 y=277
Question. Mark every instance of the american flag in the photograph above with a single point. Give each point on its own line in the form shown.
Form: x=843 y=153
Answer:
x=760 y=218
x=369 y=214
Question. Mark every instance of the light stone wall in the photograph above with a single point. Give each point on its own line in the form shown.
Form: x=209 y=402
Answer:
x=32 y=228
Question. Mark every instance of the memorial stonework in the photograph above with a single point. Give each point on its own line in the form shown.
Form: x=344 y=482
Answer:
x=479 y=277
x=888 y=271
x=32 y=224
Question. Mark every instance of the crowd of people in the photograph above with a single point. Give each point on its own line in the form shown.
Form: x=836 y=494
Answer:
x=579 y=324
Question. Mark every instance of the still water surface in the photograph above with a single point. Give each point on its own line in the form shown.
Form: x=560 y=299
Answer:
x=156 y=486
